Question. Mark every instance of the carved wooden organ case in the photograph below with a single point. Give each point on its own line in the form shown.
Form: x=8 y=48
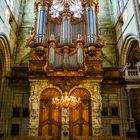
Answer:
x=66 y=41
x=65 y=49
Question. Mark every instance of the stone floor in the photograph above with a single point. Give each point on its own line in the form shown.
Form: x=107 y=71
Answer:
x=76 y=138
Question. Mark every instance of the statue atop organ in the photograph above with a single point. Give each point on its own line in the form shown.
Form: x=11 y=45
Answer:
x=66 y=41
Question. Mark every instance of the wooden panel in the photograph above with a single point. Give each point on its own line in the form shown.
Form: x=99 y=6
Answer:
x=49 y=118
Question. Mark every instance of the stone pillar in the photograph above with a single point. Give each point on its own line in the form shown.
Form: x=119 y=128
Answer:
x=132 y=131
x=65 y=124
x=34 y=104
x=96 y=107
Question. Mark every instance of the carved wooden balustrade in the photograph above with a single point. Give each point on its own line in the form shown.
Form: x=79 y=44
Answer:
x=132 y=74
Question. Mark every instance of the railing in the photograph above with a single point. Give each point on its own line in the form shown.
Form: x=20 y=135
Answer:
x=132 y=73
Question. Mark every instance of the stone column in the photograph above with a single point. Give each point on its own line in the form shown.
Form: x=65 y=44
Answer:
x=34 y=104
x=132 y=131
x=96 y=107
x=65 y=124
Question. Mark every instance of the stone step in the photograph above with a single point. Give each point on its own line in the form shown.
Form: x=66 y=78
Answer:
x=75 y=138
x=27 y=138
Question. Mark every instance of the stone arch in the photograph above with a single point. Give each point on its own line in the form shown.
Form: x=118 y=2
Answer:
x=37 y=87
x=50 y=93
x=5 y=56
x=128 y=46
x=5 y=51
x=81 y=92
x=80 y=87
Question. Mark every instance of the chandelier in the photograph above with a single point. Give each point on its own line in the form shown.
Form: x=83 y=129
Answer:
x=59 y=5
x=66 y=101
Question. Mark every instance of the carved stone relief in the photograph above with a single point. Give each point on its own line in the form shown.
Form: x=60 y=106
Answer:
x=96 y=106
x=65 y=124
x=38 y=86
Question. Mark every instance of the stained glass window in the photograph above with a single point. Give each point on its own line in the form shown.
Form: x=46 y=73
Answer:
x=74 y=5
x=122 y=4
x=10 y=4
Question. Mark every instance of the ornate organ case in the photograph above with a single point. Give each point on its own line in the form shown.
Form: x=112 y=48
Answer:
x=66 y=51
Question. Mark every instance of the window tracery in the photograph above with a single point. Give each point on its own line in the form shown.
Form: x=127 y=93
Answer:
x=10 y=4
x=122 y=4
x=74 y=6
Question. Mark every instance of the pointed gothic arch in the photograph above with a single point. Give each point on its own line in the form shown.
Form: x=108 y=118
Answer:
x=5 y=56
x=130 y=46
x=5 y=50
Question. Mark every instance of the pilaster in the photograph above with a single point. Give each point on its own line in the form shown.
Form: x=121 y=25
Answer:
x=96 y=107
x=65 y=124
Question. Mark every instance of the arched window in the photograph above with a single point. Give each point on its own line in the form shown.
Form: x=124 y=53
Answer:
x=10 y=4
x=122 y=4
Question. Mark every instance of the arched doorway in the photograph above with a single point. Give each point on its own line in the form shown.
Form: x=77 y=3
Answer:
x=130 y=59
x=5 y=60
x=135 y=101
x=130 y=51
x=133 y=57
x=133 y=54
x=80 y=116
x=49 y=116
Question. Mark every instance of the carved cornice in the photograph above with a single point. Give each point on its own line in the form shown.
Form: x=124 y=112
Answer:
x=43 y=3
x=91 y=3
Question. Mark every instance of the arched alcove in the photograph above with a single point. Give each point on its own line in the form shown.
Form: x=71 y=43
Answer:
x=4 y=65
x=130 y=51
x=49 y=116
x=129 y=58
x=5 y=60
x=80 y=120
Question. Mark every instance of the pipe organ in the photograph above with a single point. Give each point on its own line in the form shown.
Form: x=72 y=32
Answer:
x=66 y=32
x=41 y=24
x=66 y=55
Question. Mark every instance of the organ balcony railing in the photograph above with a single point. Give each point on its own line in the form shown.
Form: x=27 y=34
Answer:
x=132 y=73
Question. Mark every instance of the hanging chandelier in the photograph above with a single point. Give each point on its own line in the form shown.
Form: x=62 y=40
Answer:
x=66 y=101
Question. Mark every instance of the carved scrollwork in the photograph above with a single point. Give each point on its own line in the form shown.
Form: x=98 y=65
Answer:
x=38 y=54
x=30 y=42
x=96 y=103
x=101 y=41
x=65 y=116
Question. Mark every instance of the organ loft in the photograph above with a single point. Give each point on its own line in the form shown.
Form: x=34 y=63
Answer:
x=66 y=60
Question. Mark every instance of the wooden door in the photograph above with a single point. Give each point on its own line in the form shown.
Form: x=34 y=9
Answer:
x=50 y=116
x=80 y=120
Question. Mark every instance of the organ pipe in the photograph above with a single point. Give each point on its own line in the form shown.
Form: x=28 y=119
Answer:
x=91 y=25
x=41 y=24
